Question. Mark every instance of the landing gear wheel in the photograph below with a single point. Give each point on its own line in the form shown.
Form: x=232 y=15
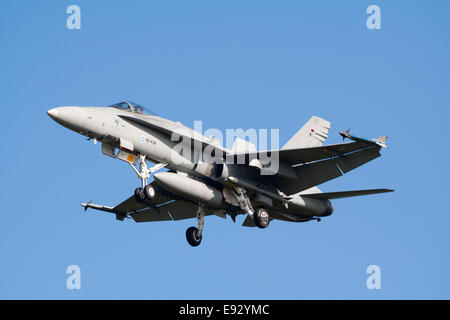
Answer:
x=139 y=195
x=150 y=192
x=192 y=236
x=261 y=217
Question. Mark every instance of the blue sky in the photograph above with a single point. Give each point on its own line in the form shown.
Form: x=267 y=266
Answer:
x=231 y=64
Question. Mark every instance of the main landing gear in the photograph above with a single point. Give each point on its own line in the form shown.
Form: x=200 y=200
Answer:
x=260 y=216
x=193 y=234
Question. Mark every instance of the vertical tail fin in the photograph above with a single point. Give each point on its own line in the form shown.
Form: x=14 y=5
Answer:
x=312 y=134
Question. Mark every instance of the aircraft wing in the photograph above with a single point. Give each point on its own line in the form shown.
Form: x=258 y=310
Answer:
x=345 y=194
x=304 y=155
x=162 y=208
x=175 y=210
x=129 y=205
x=314 y=172
x=313 y=166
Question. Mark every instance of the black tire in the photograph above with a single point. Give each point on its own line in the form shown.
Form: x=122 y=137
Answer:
x=150 y=192
x=139 y=195
x=191 y=236
x=261 y=218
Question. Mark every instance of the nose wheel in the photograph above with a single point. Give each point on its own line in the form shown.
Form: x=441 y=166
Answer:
x=139 y=195
x=150 y=192
x=147 y=192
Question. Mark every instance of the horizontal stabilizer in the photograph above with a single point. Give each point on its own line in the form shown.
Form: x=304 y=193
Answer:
x=345 y=194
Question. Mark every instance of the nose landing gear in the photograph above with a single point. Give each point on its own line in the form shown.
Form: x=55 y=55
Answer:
x=150 y=192
x=139 y=195
x=147 y=192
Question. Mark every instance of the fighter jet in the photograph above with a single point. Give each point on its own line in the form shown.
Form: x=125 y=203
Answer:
x=225 y=182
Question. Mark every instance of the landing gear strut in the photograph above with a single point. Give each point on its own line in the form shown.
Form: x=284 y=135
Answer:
x=244 y=201
x=193 y=234
x=260 y=216
x=147 y=192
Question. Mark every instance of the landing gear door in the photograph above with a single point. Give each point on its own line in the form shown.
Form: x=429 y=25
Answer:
x=126 y=152
x=124 y=155
x=109 y=150
x=127 y=156
x=127 y=145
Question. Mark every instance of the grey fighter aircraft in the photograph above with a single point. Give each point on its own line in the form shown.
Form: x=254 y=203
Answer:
x=204 y=178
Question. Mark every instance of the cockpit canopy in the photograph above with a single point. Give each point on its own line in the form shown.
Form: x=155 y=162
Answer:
x=133 y=107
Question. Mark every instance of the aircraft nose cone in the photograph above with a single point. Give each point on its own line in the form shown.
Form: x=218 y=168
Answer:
x=71 y=117
x=53 y=113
